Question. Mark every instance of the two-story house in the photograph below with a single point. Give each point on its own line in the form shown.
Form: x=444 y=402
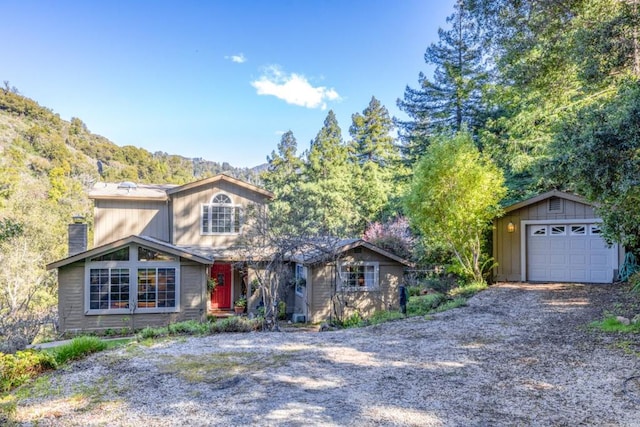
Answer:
x=155 y=247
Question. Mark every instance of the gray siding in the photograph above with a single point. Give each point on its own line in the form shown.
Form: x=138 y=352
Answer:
x=71 y=309
x=186 y=213
x=322 y=284
x=116 y=219
x=507 y=246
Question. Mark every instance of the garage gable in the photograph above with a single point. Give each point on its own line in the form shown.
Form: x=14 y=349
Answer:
x=553 y=237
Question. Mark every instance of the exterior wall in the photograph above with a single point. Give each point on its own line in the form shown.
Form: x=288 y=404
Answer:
x=71 y=296
x=507 y=246
x=186 y=213
x=321 y=288
x=116 y=219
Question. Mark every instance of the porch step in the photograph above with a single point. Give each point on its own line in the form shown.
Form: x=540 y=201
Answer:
x=221 y=314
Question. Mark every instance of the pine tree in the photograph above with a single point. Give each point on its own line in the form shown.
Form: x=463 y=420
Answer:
x=376 y=162
x=450 y=101
x=282 y=177
x=327 y=188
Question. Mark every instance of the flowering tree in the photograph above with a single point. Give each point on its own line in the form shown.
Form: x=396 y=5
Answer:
x=393 y=235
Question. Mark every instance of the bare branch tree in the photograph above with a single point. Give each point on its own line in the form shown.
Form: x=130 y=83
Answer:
x=269 y=253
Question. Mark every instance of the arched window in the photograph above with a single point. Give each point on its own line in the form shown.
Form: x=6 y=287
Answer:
x=220 y=216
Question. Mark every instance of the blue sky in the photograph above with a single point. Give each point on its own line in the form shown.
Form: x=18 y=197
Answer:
x=220 y=80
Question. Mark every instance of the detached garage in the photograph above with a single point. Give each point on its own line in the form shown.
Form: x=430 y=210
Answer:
x=553 y=237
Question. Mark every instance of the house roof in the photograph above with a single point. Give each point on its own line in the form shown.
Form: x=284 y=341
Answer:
x=130 y=191
x=161 y=192
x=319 y=252
x=147 y=241
x=221 y=177
x=547 y=195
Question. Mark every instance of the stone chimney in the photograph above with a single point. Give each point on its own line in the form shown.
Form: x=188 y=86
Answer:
x=77 y=235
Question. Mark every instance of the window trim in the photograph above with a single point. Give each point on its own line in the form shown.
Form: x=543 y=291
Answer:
x=132 y=266
x=236 y=213
x=376 y=276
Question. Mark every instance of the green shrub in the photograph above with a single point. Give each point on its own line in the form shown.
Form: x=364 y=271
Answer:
x=150 y=332
x=442 y=283
x=16 y=369
x=468 y=290
x=282 y=310
x=235 y=324
x=612 y=324
x=634 y=281
x=454 y=303
x=191 y=327
x=423 y=304
x=384 y=316
x=414 y=291
x=352 y=321
x=78 y=348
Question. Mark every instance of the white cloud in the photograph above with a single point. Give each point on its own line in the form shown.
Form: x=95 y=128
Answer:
x=293 y=89
x=239 y=58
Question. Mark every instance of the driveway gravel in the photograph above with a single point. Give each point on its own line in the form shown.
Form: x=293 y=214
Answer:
x=518 y=354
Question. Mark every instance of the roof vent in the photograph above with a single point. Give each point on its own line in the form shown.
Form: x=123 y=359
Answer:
x=555 y=205
x=127 y=185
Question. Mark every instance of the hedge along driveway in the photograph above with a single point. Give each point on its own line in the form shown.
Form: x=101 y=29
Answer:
x=516 y=355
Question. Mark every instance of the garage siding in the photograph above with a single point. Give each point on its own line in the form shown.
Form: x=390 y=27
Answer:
x=508 y=246
x=576 y=253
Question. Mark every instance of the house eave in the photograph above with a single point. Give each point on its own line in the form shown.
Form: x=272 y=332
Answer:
x=544 y=196
x=221 y=177
x=141 y=240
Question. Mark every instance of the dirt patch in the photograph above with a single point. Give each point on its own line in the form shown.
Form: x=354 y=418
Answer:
x=518 y=354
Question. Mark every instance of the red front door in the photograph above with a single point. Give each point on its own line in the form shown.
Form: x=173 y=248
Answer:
x=221 y=296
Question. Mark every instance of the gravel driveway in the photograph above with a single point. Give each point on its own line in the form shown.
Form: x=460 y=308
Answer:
x=516 y=355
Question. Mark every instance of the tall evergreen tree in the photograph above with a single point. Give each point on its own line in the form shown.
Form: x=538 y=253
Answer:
x=376 y=162
x=452 y=99
x=327 y=187
x=282 y=178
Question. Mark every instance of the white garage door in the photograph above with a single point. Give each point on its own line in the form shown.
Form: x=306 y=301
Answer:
x=569 y=253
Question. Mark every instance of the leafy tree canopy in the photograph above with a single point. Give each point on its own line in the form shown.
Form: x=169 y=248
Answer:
x=456 y=192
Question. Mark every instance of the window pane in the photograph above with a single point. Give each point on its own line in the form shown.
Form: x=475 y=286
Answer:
x=145 y=254
x=205 y=219
x=156 y=287
x=578 y=230
x=108 y=288
x=119 y=255
x=222 y=199
x=147 y=287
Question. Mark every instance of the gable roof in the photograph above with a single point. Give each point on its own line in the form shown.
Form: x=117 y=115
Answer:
x=161 y=192
x=147 y=241
x=319 y=252
x=129 y=191
x=547 y=195
x=221 y=177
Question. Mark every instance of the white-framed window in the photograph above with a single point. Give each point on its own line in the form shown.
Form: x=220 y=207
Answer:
x=362 y=276
x=558 y=230
x=595 y=229
x=109 y=288
x=220 y=216
x=578 y=230
x=538 y=230
x=132 y=279
x=301 y=279
x=156 y=288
